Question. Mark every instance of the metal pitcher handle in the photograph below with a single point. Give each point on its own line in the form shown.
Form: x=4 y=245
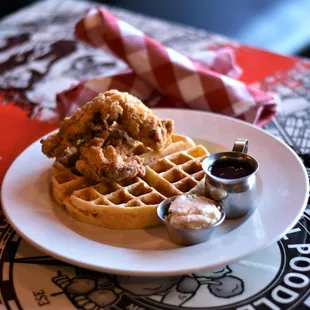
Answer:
x=241 y=146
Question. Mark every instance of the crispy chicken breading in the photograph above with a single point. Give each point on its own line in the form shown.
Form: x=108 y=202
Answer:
x=97 y=116
x=113 y=162
x=98 y=137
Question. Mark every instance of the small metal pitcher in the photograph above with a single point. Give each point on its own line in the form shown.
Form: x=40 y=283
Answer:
x=237 y=196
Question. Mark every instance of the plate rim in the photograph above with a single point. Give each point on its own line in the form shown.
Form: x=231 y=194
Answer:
x=149 y=272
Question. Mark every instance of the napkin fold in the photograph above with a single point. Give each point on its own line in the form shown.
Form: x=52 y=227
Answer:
x=163 y=77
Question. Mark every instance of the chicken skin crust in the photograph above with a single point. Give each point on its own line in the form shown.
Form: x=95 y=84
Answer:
x=98 y=137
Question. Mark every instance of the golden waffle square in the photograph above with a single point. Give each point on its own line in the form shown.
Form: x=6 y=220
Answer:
x=119 y=205
x=65 y=181
x=177 y=173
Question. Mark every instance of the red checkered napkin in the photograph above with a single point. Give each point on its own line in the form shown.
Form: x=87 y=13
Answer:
x=163 y=77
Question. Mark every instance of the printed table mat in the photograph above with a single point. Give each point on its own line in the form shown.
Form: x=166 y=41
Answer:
x=38 y=58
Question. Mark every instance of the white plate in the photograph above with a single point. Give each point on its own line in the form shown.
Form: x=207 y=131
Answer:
x=283 y=187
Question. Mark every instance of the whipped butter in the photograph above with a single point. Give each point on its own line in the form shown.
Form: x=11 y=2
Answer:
x=194 y=212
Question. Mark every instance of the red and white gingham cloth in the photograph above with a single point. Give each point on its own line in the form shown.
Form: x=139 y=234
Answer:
x=163 y=77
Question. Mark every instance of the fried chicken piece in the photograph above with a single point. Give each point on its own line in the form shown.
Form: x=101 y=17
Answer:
x=85 y=124
x=69 y=157
x=99 y=162
x=100 y=136
x=96 y=116
x=140 y=122
x=119 y=137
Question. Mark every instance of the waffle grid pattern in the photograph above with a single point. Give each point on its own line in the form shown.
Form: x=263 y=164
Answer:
x=132 y=203
x=65 y=180
x=175 y=174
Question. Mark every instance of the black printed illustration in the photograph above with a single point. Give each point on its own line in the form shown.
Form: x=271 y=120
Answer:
x=292 y=123
x=87 y=291
x=24 y=64
x=33 y=71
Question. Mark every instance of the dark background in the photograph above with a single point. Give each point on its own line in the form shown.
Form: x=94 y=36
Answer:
x=282 y=26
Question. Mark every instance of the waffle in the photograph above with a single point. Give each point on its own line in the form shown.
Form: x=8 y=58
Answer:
x=131 y=204
x=65 y=181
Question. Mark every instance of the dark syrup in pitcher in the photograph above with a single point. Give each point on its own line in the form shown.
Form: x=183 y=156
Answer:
x=231 y=169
